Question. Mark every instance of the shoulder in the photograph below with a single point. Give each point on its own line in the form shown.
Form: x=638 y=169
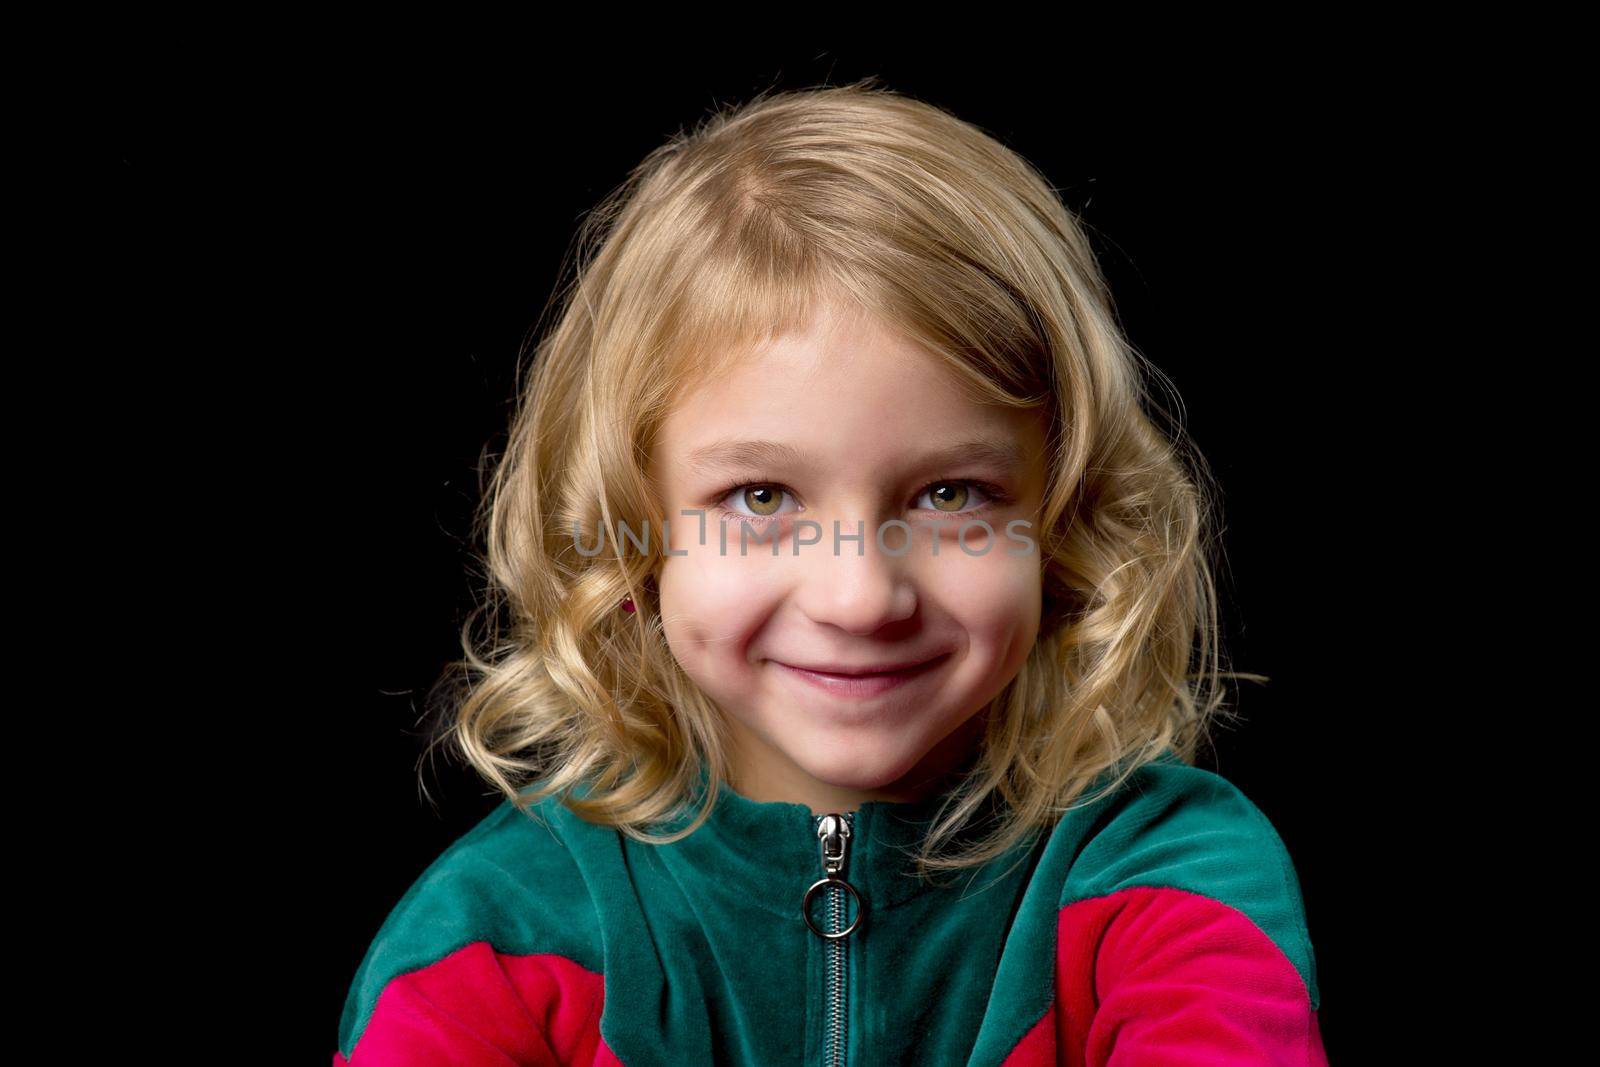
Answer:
x=1180 y=852
x=502 y=912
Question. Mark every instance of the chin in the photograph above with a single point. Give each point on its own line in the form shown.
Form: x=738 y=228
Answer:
x=851 y=762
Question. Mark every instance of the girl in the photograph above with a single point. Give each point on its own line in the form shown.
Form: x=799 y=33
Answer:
x=843 y=705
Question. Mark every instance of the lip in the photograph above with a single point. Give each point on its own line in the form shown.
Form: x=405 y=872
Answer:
x=856 y=682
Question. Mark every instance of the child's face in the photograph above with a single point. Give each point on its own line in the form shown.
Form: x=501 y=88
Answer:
x=865 y=413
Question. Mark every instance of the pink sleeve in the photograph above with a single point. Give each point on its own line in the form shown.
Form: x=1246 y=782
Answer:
x=1151 y=976
x=480 y=1008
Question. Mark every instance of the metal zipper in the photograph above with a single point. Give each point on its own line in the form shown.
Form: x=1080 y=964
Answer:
x=833 y=833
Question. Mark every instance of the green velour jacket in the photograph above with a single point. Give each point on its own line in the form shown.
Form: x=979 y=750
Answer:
x=1161 y=924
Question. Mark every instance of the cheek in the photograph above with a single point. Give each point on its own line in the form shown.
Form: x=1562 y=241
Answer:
x=996 y=598
x=709 y=615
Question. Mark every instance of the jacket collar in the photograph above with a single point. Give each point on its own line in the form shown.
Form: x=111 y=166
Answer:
x=766 y=854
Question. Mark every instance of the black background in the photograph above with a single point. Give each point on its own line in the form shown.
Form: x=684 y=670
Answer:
x=364 y=252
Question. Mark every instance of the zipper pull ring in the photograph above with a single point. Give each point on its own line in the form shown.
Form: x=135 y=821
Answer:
x=833 y=835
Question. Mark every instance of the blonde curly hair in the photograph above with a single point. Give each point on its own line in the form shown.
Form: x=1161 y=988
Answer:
x=733 y=232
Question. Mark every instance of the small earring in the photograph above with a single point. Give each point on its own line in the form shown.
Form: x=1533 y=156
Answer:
x=627 y=604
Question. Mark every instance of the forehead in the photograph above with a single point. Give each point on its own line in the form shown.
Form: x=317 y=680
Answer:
x=842 y=391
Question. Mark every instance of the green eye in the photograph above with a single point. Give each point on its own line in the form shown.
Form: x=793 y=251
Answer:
x=764 y=500
x=948 y=496
x=756 y=500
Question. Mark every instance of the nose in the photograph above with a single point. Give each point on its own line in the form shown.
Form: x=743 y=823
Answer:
x=858 y=593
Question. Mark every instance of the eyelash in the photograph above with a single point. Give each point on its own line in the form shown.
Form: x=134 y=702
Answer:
x=994 y=497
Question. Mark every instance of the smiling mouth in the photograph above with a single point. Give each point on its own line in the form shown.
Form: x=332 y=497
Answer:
x=863 y=685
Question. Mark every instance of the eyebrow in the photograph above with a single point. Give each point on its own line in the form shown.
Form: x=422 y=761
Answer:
x=738 y=455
